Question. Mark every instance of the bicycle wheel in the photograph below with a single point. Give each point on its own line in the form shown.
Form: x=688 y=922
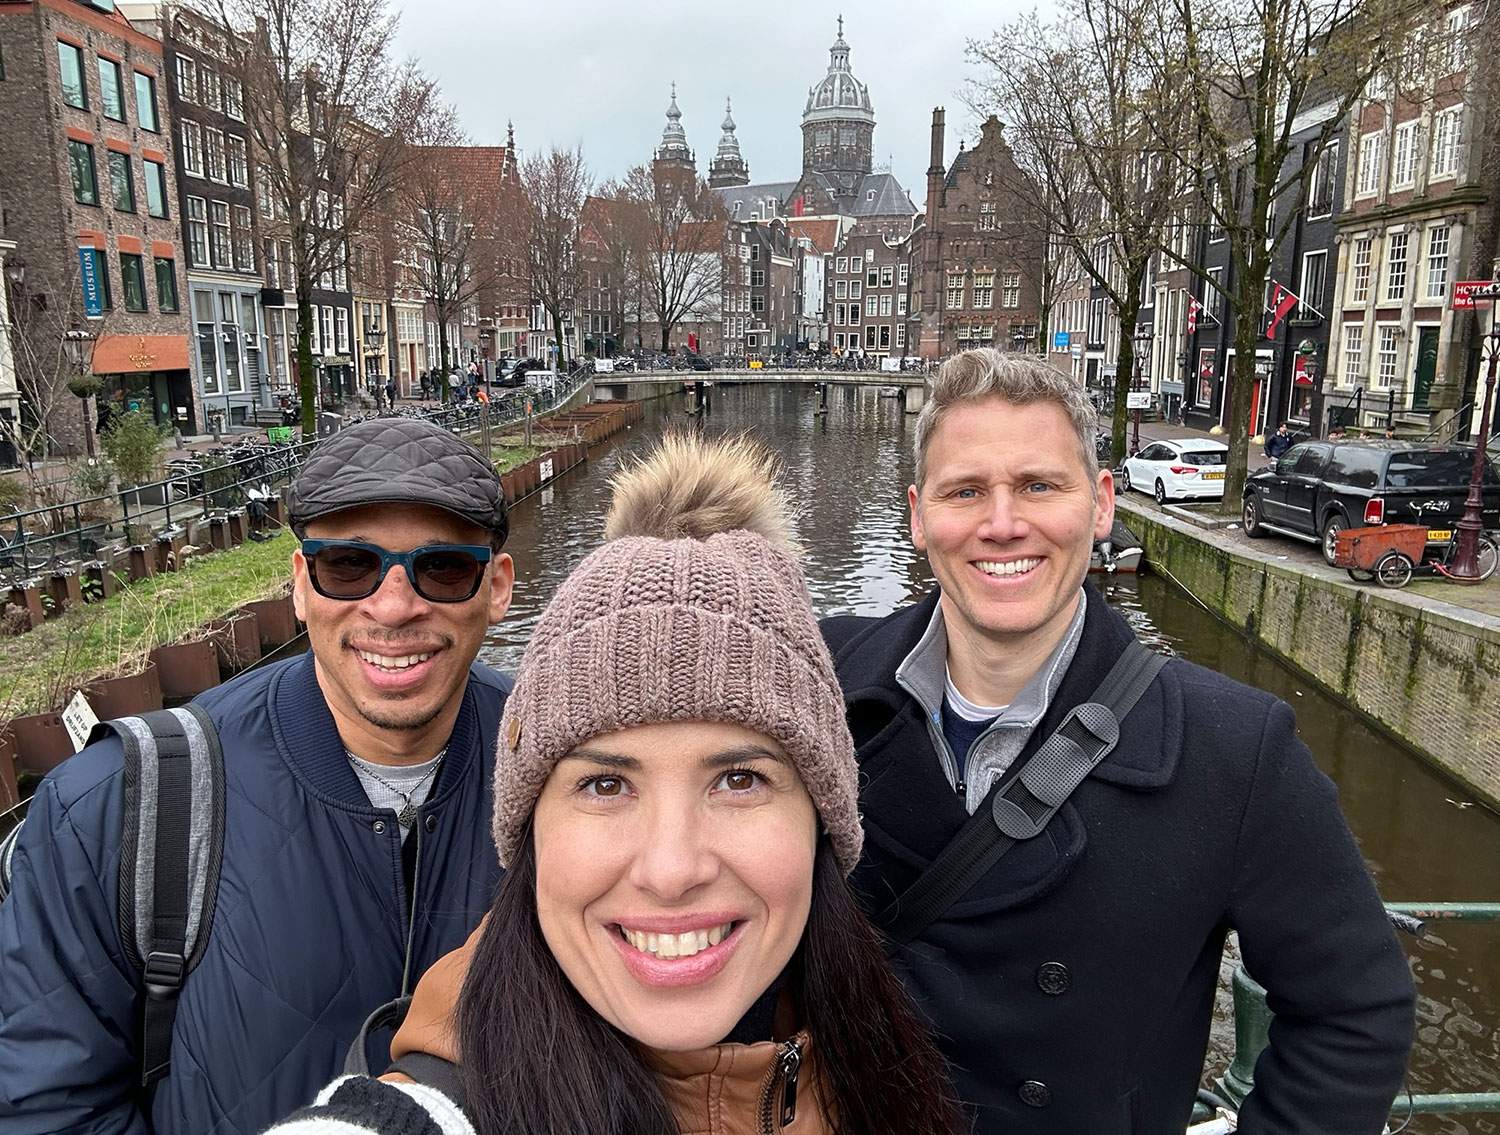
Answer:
x=1487 y=558
x=1393 y=570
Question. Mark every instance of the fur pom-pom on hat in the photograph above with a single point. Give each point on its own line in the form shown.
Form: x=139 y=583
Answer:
x=690 y=488
x=694 y=609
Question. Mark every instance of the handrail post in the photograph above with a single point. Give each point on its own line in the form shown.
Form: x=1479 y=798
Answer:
x=78 y=529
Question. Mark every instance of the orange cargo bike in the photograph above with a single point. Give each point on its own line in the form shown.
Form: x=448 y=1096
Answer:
x=1391 y=554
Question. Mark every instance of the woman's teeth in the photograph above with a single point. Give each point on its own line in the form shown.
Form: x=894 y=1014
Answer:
x=1010 y=567
x=683 y=945
x=392 y=662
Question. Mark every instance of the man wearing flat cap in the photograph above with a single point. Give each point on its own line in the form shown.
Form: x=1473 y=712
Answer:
x=356 y=804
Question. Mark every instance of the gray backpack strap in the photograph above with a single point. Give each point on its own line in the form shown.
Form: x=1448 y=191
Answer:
x=1019 y=808
x=171 y=845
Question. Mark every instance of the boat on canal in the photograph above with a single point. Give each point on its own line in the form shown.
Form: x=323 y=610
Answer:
x=1120 y=554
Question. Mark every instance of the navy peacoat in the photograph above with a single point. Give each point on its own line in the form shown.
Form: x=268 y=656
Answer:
x=1072 y=988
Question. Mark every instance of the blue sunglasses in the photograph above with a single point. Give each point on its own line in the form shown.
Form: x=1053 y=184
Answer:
x=351 y=569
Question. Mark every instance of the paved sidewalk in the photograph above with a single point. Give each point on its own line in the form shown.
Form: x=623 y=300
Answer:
x=1481 y=599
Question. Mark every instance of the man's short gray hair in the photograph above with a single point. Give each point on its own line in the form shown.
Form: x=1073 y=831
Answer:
x=1019 y=379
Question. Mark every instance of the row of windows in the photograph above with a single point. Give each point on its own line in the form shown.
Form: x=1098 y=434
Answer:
x=214 y=155
x=219 y=235
x=1404 y=257
x=70 y=66
x=133 y=280
x=875 y=338
x=875 y=307
x=198 y=82
x=1408 y=147
x=122 y=192
x=984 y=291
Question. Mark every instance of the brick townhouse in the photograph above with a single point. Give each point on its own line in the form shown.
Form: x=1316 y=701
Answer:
x=91 y=201
x=868 y=292
x=981 y=250
x=219 y=234
x=1413 y=193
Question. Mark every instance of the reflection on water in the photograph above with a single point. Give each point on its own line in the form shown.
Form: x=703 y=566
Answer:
x=848 y=471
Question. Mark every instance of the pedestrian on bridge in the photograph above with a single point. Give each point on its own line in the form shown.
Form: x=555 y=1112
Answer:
x=1071 y=974
x=355 y=822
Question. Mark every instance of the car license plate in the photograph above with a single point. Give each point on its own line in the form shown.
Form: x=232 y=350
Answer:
x=1213 y=476
x=1439 y=535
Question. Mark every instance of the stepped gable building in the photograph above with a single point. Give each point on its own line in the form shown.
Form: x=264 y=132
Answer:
x=91 y=204
x=729 y=166
x=837 y=179
x=981 y=252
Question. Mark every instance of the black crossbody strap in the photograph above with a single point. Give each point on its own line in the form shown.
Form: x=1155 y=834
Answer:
x=388 y=1016
x=433 y=1071
x=1021 y=807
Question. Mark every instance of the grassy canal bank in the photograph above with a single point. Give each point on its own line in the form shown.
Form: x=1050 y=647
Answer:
x=1425 y=670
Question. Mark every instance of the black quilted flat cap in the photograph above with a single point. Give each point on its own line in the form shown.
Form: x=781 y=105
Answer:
x=398 y=461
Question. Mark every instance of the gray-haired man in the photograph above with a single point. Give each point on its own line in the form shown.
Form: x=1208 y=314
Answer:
x=1072 y=984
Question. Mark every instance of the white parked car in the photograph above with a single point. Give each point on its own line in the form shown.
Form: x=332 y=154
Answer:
x=1178 y=469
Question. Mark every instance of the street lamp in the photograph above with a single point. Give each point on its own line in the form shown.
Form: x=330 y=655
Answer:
x=78 y=348
x=1142 y=340
x=1466 y=555
x=374 y=338
x=1307 y=351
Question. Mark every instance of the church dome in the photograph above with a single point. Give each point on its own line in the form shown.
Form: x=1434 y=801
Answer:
x=840 y=96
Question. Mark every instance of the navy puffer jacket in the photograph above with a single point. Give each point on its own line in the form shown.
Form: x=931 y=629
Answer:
x=310 y=932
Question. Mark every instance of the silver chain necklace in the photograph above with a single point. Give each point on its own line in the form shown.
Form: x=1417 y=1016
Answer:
x=408 y=811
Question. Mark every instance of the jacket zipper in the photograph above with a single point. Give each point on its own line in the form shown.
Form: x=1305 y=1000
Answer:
x=411 y=916
x=785 y=1068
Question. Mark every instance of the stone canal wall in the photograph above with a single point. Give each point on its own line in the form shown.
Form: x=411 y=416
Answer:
x=1425 y=670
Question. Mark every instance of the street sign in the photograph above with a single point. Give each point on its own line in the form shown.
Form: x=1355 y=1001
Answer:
x=1138 y=400
x=1469 y=293
x=1059 y=340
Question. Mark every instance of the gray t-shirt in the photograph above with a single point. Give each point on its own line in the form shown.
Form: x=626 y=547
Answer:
x=401 y=788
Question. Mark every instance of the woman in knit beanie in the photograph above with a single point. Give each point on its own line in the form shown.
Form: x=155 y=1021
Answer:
x=674 y=947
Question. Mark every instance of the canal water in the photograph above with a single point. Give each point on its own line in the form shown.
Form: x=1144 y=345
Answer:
x=849 y=469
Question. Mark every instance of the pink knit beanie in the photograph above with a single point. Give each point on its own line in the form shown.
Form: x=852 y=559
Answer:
x=694 y=609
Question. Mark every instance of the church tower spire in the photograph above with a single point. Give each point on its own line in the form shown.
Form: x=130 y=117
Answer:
x=728 y=167
x=673 y=153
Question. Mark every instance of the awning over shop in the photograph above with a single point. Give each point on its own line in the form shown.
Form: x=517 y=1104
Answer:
x=132 y=354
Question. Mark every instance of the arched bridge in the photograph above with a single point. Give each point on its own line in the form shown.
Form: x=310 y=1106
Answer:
x=636 y=384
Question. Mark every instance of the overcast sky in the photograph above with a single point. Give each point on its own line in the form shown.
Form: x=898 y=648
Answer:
x=599 y=72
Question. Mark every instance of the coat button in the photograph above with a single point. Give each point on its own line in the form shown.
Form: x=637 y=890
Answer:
x=378 y=827
x=431 y=823
x=1034 y=1093
x=1053 y=978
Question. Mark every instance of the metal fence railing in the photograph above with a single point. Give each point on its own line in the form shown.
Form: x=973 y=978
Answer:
x=38 y=539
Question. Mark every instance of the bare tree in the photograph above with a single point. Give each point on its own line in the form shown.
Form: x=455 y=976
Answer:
x=554 y=186
x=331 y=115
x=681 y=226
x=613 y=243
x=43 y=316
x=451 y=201
x=1248 y=72
x=1096 y=135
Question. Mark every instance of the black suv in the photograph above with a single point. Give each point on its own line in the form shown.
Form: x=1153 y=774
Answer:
x=1318 y=488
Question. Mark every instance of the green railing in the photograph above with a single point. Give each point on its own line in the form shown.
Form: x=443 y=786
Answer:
x=1252 y=1023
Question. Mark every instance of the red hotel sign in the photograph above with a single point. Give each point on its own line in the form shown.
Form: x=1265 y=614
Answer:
x=1468 y=293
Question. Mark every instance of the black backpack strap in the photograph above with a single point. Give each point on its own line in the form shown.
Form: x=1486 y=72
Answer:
x=172 y=843
x=434 y=1072
x=388 y=1016
x=1020 y=807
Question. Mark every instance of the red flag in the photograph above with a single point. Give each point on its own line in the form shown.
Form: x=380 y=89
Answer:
x=1282 y=302
x=1192 y=315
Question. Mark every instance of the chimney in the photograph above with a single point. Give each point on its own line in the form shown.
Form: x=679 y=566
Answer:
x=935 y=166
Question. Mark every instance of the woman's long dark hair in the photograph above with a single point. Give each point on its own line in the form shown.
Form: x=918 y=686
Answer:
x=537 y=1059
